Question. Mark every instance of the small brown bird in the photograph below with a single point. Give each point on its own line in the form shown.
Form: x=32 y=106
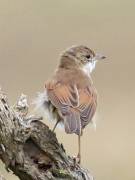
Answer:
x=70 y=96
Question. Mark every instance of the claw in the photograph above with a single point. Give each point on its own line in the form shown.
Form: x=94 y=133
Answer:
x=77 y=161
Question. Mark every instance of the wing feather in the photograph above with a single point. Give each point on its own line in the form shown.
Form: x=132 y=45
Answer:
x=77 y=106
x=65 y=99
x=88 y=104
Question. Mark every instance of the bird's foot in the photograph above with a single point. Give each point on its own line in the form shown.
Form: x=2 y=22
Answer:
x=77 y=160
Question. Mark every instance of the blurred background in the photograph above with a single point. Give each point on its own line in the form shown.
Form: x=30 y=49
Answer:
x=33 y=34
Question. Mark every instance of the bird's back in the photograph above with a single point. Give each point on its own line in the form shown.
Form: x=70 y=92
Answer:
x=73 y=76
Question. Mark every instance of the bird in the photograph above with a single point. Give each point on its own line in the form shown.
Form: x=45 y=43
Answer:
x=69 y=95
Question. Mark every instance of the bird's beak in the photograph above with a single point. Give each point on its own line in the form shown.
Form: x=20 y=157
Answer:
x=99 y=57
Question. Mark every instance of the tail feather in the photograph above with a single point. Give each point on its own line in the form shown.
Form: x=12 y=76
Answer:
x=72 y=122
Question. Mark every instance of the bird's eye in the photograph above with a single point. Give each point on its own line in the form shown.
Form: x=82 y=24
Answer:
x=88 y=56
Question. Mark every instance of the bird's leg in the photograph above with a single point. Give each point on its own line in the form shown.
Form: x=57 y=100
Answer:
x=77 y=160
x=55 y=125
x=79 y=149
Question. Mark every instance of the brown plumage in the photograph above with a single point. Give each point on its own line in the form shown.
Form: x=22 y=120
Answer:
x=74 y=97
x=71 y=95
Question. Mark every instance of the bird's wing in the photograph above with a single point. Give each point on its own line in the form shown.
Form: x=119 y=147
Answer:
x=66 y=99
x=76 y=106
x=62 y=94
x=87 y=104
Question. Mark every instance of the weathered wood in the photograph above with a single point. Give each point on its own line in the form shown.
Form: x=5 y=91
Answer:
x=30 y=149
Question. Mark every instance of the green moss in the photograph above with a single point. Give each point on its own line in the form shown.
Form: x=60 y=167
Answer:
x=62 y=174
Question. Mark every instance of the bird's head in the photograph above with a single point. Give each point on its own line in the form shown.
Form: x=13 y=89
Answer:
x=80 y=56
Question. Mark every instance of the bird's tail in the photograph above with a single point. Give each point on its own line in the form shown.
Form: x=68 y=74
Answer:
x=72 y=122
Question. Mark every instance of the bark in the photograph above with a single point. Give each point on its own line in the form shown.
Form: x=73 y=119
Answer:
x=30 y=149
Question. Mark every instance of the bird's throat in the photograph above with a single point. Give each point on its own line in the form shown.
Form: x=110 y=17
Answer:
x=88 y=68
